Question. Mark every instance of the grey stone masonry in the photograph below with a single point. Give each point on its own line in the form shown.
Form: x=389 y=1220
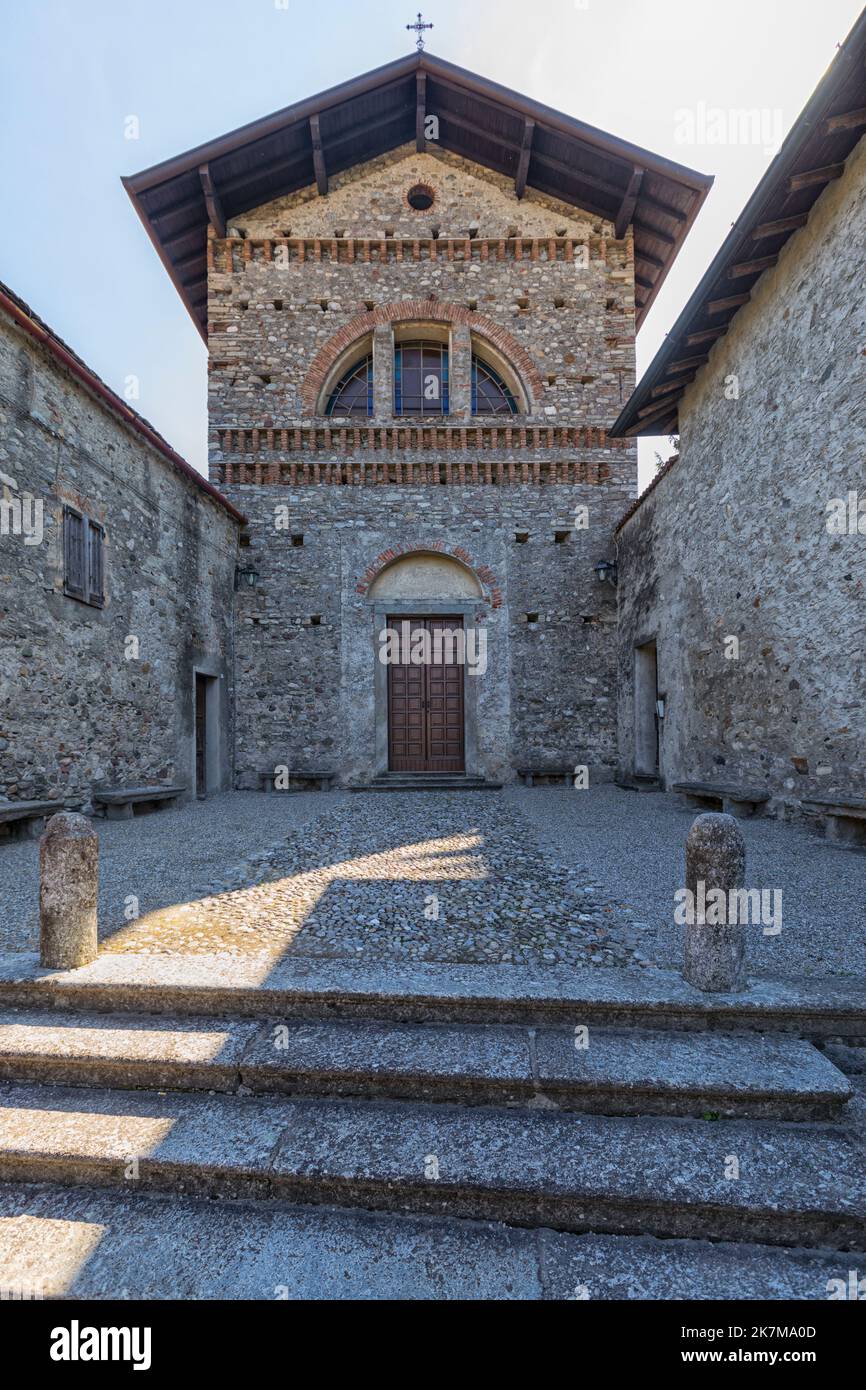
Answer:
x=745 y=563
x=299 y=290
x=100 y=694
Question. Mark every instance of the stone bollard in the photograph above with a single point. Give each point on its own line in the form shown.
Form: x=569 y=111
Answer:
x=715 y=950
x=68 y=890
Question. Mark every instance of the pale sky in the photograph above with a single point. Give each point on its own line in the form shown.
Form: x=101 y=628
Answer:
x=74 y=70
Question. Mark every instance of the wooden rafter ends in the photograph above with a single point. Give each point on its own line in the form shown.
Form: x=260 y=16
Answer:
x=644 y=283
x=671 y=386
x=809 y=177
x=318 y=157
x=850 y=120
x=782 y=224
x=756 y=267
x=420 y=111
x=628 y=204
x=525 y=156
x=686 y=364
x=657 y=407
x=215 y=213
x=707 y=335
x=733 y=301
x=647 y=230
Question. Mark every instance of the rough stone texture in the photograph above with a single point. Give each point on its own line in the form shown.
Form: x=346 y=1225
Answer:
x=305 y=689
x=407 y=992
x=715 y=952
x=91 y=1244
x=68 y=890
x=616 y=1073
x=733 y=540
x=74 y=711
x=794 y=1185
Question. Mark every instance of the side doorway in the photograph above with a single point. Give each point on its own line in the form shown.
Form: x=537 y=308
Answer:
x=646 y=718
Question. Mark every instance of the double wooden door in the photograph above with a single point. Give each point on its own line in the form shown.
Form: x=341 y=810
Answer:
x=425 y=700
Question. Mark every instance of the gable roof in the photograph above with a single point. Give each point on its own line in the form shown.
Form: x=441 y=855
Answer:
x=497 y=128
x=21 y=314
x=813 y=155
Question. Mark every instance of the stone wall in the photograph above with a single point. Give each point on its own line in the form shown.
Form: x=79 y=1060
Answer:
x=733 y=541
x=75 y=711
x=549 y=289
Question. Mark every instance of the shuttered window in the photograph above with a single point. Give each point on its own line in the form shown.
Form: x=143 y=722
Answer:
x=83 y=558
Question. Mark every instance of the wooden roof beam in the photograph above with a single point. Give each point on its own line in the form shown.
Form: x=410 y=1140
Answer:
x=524 y=158
x=650 y=260
x=216 y=216
x=420 y=111
x=686 y=364
x=666 y=404
x=319 y=157
x=782 y=224
x=644 y=283
x=733 y=301
x=810 y=177
x=670 y=386
x=664 y=414
x=706 y=335
x=757 y=267
x=849 y=120
x=628 y=204
x=647 y=201
x=647 y=230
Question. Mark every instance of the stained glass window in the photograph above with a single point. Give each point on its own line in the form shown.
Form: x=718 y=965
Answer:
x=353 y=394
x=490 y=395
x=421 y=379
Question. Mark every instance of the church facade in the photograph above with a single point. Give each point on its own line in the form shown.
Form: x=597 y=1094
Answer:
x=420 y=296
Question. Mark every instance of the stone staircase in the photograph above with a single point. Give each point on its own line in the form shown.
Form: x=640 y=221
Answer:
x=441 y=1129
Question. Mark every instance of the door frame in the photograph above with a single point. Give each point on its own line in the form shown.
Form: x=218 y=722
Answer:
x=212 y=675
x=468 y=609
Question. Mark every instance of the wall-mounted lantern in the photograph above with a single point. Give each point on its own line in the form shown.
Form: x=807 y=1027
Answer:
x=246 y=578
x=606 y=572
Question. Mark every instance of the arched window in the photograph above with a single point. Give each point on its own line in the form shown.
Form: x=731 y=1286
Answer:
x=490 y=395
x=353 y=393
x=421 y=378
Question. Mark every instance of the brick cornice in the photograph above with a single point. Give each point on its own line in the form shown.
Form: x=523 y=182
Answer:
x=431 y=311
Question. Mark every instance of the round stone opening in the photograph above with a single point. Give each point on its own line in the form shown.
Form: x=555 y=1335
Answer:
x=420 y=197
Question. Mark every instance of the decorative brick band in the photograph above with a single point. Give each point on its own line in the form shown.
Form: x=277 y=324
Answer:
x=432 y=311
x=353 y=439
x=232 y=255
x=401 y=472
x=483 y=573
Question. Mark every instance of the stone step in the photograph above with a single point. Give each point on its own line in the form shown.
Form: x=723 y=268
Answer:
x=616 y=1073
x=420 y=992
x=730 y=1180
x=95 y=1244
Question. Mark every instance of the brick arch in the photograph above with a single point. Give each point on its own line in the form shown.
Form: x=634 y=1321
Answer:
x=432 y=311
x=489 y=583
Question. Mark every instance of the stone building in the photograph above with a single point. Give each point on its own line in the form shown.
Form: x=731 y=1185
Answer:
x=117 y=566
x=420 y=293
x=742 y=569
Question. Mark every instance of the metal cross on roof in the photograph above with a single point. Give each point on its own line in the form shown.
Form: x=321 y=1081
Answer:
x=419 y=26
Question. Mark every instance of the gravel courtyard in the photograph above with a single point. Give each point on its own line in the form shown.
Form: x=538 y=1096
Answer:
x=538 y=876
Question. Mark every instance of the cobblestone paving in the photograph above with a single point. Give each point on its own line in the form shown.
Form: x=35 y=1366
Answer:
x=457 y=877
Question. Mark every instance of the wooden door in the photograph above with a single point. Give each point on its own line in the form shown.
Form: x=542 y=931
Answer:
x=201 y=735
x=425 y=702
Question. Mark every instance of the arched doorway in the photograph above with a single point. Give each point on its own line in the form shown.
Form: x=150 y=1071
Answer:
x=425 y=605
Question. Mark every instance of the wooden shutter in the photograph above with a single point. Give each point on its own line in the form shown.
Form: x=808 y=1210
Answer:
x=95 y=565
x=74 y=554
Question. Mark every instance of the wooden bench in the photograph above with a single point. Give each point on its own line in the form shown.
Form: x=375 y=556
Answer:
x=121 y=804
x=324 y=780
x=844 y=821
x=742 y=802
x=529 y=775
x=26 y=819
